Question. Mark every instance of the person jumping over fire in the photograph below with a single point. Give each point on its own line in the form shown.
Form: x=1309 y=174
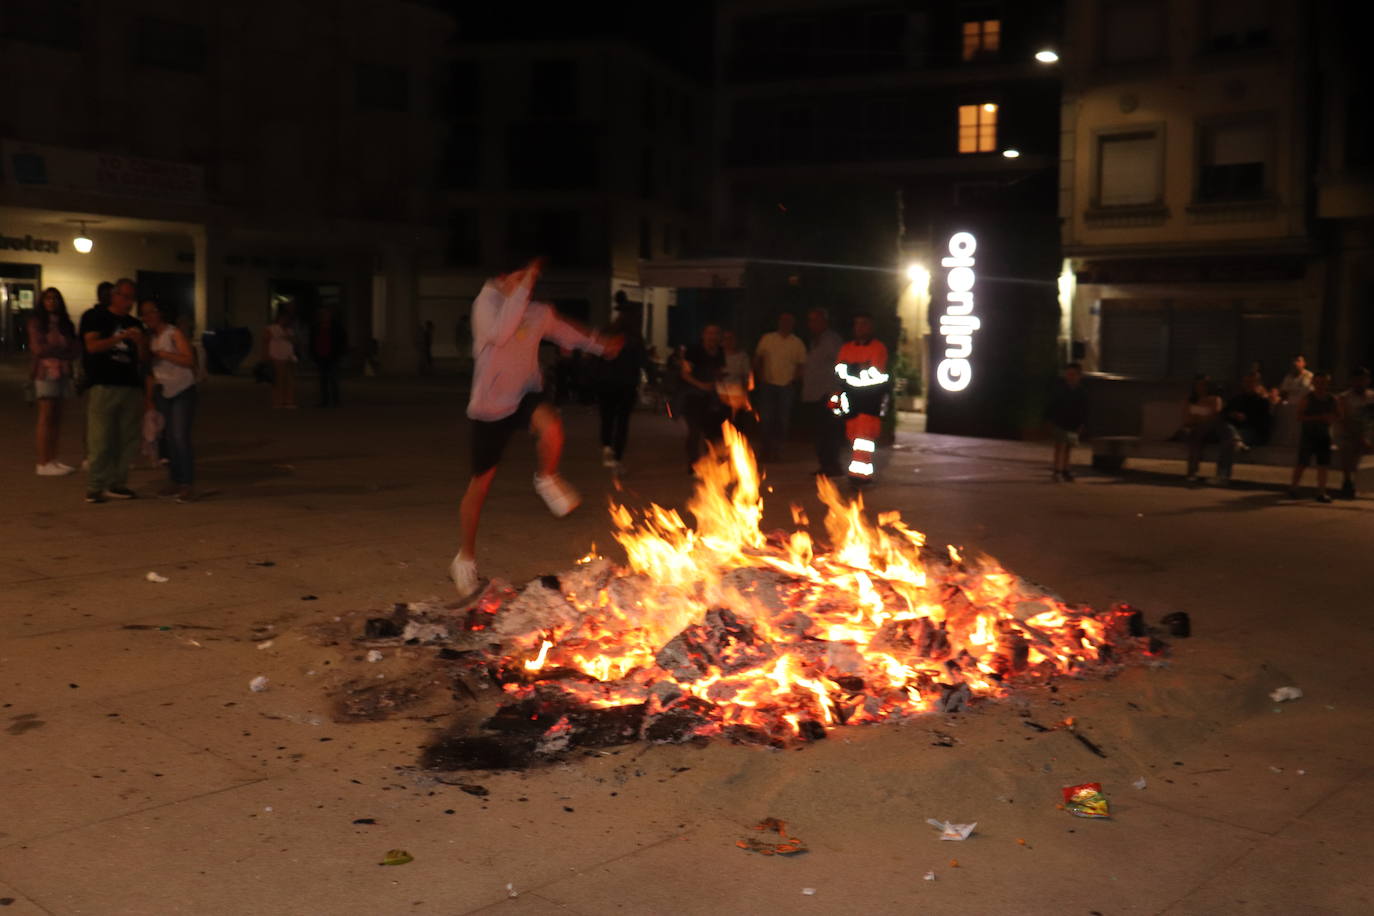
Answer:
x=861 y=397
x=508 y=393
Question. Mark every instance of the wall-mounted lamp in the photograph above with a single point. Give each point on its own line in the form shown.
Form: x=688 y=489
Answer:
x=82 y=243
x=1011 y=154
x=1047 y=56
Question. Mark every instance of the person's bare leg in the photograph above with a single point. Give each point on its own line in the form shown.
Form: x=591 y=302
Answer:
x=547 y=427
x=1321 y=479
x=43 y=434
x=1297 y=475
x=470 y=511
x=54 y=429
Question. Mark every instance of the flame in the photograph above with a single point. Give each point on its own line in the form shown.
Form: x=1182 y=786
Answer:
x=772 y=634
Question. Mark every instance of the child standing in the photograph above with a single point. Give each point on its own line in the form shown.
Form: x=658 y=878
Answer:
x=1068 y=414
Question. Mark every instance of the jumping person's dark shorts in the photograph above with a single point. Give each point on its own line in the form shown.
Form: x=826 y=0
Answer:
x=1314 y=445
x=489 y=437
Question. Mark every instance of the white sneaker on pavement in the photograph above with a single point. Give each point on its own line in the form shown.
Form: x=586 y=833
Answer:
x=48 y=470
x=463 y=571
x=557 y=494
x=607 y=457
x=65 y=468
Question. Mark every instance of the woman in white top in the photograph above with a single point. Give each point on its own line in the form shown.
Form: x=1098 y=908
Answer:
x=171 y=388
x=280 y=344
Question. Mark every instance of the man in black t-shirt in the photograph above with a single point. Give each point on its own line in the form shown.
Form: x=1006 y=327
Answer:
x=1067 y=412
x=116 y=351
x=702 y=407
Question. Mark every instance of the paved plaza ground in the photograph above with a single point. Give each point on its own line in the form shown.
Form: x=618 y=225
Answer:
x=142 y=776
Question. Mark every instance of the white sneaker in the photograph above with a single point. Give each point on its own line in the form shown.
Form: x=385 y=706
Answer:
x=463 y=571
x=607 y=457
x=557 y=494
x=54 y=469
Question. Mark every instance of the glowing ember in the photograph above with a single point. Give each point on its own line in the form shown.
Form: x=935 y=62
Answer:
x=721 y=628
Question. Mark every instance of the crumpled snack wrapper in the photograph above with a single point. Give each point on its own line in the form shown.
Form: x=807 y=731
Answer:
x=949 y=831
x=1086 y=800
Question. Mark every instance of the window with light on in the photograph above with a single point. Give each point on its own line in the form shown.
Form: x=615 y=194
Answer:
x=978 y=128
x=982 y=38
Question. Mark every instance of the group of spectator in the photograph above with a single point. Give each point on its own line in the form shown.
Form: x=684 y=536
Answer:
x=721 y=382
x=1329 y=423
x=139 y=377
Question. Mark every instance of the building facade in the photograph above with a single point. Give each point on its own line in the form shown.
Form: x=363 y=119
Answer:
x=225 y=166
x=1193 y=237
x=855 y=138
x=589 y=151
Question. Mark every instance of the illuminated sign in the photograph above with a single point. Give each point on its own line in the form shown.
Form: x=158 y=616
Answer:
x=957 y=324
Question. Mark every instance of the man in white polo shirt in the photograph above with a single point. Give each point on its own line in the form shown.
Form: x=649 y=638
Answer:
x=778 y=363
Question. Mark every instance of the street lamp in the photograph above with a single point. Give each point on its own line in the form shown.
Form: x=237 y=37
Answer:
x=918 y=275
x=82 y=243
x=1047 y=56
x=1011 y=154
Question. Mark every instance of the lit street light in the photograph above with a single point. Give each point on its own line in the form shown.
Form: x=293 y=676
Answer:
x=1047 y=56
x=1011 y=154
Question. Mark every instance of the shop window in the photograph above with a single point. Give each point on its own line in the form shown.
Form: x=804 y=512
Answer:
x=554 y=87
x=978 y=128
x=1234 y=161
x=1232 y=25
x=1132 y=31
x=168 y=45
x=381 y=87
x=982 y=39
x=1129 y=169
x=55 y=23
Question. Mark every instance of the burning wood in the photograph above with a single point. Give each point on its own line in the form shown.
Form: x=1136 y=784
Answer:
x=719 y=629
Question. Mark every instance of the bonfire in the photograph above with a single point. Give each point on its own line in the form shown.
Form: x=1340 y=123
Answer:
x=720 y=628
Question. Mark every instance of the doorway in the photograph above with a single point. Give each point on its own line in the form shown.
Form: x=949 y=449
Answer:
x=19 y=286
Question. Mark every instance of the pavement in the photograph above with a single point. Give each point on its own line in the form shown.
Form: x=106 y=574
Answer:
x=143 y=776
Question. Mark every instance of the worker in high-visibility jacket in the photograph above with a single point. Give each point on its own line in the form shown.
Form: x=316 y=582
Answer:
x=862 y=396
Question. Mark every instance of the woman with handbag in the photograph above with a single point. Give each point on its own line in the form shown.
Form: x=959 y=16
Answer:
x=52 y=346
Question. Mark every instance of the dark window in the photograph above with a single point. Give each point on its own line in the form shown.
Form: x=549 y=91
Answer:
x=646 y=239
x=554 y=89
x=462 y=92
x=535 y=162
x=650 y=103
x=885 y=33
x=1230 y=25
x=1129 y=170
x=567 y=238
x=170 y=45
x=1132 y=31
x=667 y=239
x=647 y=185
x=1234 y=161
x=382 y=87
x=461 y=166
x=465 y=237
x=55 y=23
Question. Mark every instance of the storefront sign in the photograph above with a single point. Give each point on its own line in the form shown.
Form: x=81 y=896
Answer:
x=955 y=371
x=28 y=243
x=58 y=168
